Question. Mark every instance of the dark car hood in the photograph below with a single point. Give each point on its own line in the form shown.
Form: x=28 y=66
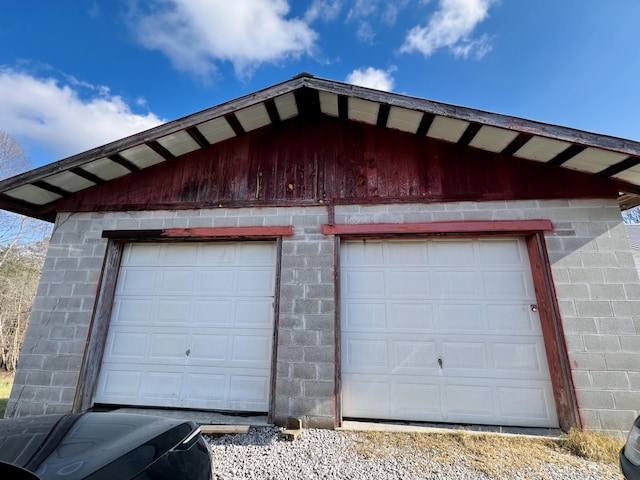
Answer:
x=89 y=445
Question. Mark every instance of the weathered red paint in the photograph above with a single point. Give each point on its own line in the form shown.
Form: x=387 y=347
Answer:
x=326 y=160
x=200 y=233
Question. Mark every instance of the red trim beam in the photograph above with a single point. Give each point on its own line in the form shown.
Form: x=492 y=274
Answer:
x=470 y=226
x=200 y=233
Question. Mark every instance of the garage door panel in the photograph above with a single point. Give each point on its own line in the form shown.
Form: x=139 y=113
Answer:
x=466 y=355
x=412 y=252
x=215 y=282
x=505 y=283
x=512 y=318
x=251 y=349
x=253 y=313
x=451 y=253
x=413 y=357
x=364 y=315
x=519 y=403
x=469 y=399
x=200 y=312
x=167 y=347
x=368 y=397
x=364 y=253
x=475 y=317
x=525 y=358
x=212 y=312
x=502 y=252
x=365 y=354
x=410 y=317
x=367 y=283
x=126 y=346
x=456 y=284
x=122 y=385
x=461 y=318
x=401 y=284
x=256 y=282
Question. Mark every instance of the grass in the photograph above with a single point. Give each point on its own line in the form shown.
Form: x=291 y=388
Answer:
x=495 y=455
x=6 y=380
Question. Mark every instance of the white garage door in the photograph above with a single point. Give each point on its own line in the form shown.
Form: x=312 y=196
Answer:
x=443 y=331
x=191 y=327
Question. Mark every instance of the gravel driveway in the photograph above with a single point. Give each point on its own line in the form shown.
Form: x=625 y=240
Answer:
x=263 y=454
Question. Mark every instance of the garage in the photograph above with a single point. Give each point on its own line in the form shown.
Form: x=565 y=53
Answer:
x=442 y=330
x=192 y=326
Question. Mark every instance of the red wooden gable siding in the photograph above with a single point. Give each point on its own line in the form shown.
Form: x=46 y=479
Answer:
x=327 y=160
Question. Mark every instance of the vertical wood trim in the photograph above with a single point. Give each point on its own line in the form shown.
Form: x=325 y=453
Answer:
x=276 y=328
x=337 y=334
x=98 y=329
x=554 y=340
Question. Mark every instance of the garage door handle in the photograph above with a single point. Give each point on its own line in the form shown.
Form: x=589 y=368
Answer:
x=188 y=352
x=440 y=362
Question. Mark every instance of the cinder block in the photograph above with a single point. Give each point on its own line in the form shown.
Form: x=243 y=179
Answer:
x=587 y=361
x=305 y=306
x=573 y=291
x=630 y=343
x=305 y=371
x=594 y=399
x=626 y=400
x=290 y=353
x=304 y=337
x=602 y=343
x=319 y=389
x=620 y=420
x=599 y=259
x=611 y=291
x=320 y=354
x=620 y=275
x=609 y=380
x=616 y=326
x=626 y=308
x=622 y=361
x=322 y=291
x=594 y=308
x=289 y=388
x=586 y=275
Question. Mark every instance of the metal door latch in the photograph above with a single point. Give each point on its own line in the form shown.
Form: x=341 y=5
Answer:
x=534 y=307
x=440 y=362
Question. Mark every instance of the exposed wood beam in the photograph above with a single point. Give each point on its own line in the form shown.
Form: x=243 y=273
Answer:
x=308 y=102
x=234 y=123
x=51 y=188
x=120 y=160
x=619 y=167
x=468 y=226
x=160 y=150
x=87 y=175
x=272 y=110
x=425 y=124
x=343 y=107
x=516 y=144
x=198 y=137
x=471 y=131
x=20 y=206
x=200 y=233
x=383 y=115
x=567 y=154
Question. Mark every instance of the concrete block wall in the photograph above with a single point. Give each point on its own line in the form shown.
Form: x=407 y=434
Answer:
x=592 y=265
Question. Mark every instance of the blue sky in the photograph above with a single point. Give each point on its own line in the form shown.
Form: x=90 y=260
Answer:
x=78 y=74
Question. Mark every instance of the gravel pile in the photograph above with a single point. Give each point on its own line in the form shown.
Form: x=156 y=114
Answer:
x=263 y=454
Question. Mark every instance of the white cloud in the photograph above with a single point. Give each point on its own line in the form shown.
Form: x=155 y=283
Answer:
x=372 y=78
x=195 y=34
x=450 y=27
x=367 y=12
x=324 y=9
x=59 y=118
